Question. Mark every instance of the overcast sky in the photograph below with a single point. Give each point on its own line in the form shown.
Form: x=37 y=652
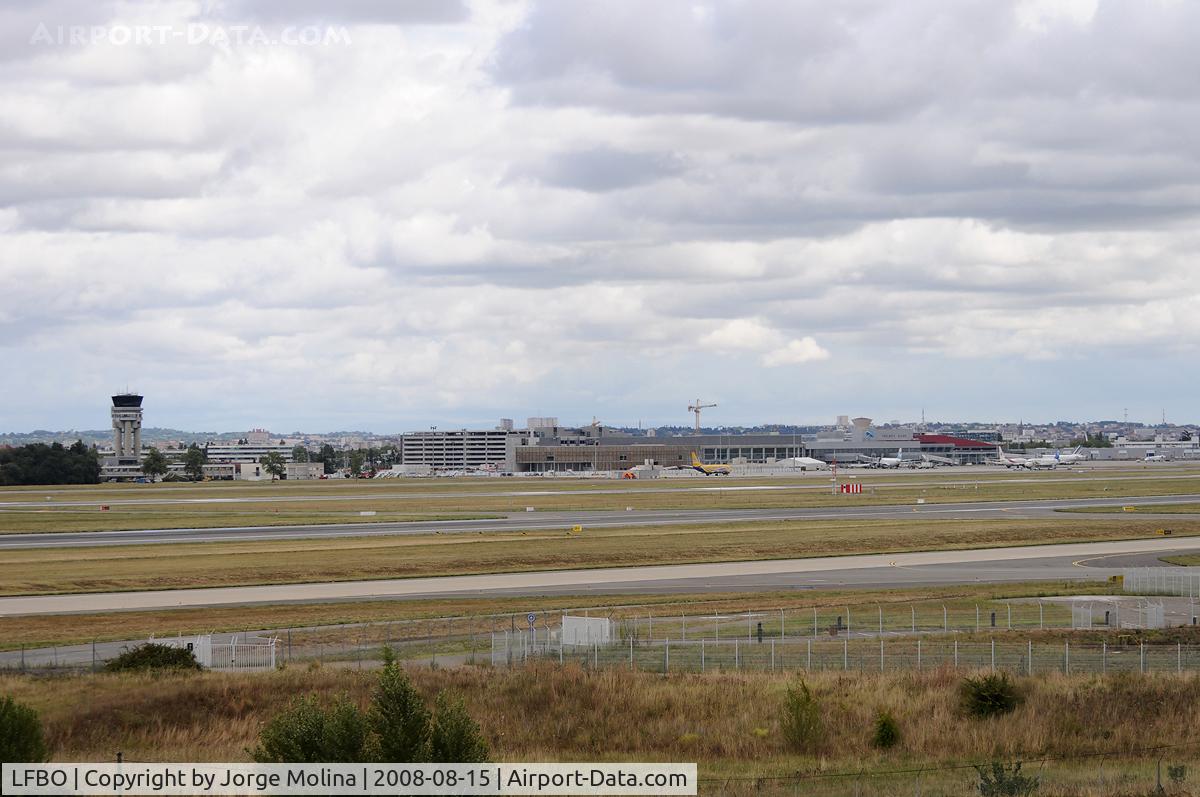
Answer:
x=441 y=214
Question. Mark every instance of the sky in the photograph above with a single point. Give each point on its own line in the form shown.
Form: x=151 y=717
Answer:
x=386 y=215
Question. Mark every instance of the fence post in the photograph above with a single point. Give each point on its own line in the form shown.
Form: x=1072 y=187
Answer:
x=845 y=654
x=881 y=654
x=683 y=622
x=918 y=654
x=977 y=618
x=781 y=633
x=993 y=655
x=880 y=620
x=847 y=621
x=1041 y=618
x=667 y=655
x=701 y=655
x=956 y=654
x=808 y=665
x=1030 y=654
x=1009 y=605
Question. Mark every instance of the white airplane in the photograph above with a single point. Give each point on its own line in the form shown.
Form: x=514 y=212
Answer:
x=1071 y=457
x=805 y=463
x=1008 y=460
x=890 y=462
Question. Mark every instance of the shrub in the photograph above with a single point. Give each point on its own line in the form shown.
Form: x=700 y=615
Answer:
x=989 y=695
x=887 y=731
x=398 y=717
x=153 y=656
x=306 y=733
x=455 y=737
x=1177 y=773
x=21 y=739
x=801 y=720
x=1000 y=781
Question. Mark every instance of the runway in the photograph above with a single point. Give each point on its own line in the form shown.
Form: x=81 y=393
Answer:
x=1021 y=563
x=541 y=521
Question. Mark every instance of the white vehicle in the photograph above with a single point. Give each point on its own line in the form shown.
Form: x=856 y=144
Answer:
x=1152 y=457
x=804 y=463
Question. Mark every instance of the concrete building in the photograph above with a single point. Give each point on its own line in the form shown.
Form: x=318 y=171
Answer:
x=246 y=452
x=460 y=449
x=125 y=462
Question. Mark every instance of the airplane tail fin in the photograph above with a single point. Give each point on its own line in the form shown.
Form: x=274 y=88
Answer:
x=695 y=460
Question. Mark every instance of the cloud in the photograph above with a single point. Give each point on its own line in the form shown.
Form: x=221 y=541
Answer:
x=503 y=208
x=796 y=352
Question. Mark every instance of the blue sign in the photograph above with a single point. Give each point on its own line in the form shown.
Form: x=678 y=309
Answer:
x=531 y=617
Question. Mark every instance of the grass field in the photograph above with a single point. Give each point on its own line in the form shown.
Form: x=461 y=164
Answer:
x=418 y=618
x=135 y=567
x=1156 y=509
x=729 y=723
x=1184 y=560
x=342 y=502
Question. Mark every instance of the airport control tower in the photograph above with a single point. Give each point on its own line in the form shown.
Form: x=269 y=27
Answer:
x=127 y=426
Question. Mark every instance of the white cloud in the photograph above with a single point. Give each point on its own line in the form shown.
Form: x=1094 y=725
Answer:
x=804 y=350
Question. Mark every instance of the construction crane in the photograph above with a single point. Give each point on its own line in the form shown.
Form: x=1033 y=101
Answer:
x=696 y=409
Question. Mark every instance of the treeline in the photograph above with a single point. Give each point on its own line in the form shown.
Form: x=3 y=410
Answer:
x=358 y=460
x=39 y=463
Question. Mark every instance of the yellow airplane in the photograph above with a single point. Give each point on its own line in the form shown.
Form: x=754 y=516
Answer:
x=709 y=470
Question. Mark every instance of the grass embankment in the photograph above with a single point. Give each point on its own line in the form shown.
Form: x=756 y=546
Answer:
x=729 y=723
x=414 y=619
x=1184 y=560
x=1156 y=509
x=137 y=567
x=293 y=505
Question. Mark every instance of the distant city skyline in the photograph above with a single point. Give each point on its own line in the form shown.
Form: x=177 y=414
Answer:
x=457 y=209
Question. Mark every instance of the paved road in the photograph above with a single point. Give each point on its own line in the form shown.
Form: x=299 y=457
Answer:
x=1023 y=563
x=589 y=519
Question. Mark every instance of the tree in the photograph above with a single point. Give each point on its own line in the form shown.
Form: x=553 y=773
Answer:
x=299 y=454
x=330 y=457
x=273 y=464
x=356 y=462
x=306 y=733
x=193 y=462
x=154 y=465
x=39 y=463
x=398 y=716
x=455 y=737
x=21 y=737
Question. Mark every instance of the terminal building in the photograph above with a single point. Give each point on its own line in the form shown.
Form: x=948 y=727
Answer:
x=546 y=447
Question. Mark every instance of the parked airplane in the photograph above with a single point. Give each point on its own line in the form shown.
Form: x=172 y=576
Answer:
x=891 y=462
x=1071 y=457
x=710 y=470
x=1008 y=460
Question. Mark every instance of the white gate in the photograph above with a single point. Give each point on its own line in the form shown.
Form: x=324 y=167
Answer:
x=254 y=653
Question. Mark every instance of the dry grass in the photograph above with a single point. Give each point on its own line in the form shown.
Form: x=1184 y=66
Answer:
x=296 y=561
x=1154 y=509
x=729 y=723
x=67 y=629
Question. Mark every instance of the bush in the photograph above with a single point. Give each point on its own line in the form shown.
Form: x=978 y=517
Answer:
x=455 y=738
x=306 y=733
x=153 y=656
x=887 y=731
x=801 y=720
x=21 y=739
x=989 y=695
x=1000 y=781
x=398 y=717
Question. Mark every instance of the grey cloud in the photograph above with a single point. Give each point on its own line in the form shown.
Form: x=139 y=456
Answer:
x=387 y=12
x=606 y=169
